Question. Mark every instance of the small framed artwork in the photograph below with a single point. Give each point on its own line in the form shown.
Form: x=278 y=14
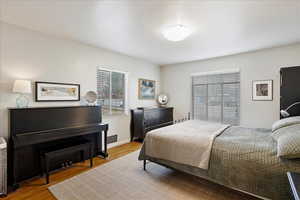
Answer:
x=262 y=90
x=146 y=89
x=49 y=91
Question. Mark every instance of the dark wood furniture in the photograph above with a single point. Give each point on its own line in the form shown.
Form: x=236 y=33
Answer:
x=47 y=155
x=289 y=89
x=33 y=129
x=144 y=120
x=294 y=180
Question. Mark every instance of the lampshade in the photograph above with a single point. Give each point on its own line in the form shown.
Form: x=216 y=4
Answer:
x=22 y=86
x=284 y=113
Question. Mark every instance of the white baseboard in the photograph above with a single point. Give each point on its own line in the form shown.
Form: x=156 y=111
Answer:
x=117 y=143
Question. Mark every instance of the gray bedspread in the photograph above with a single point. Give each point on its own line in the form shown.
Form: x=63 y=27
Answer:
x=244 y=159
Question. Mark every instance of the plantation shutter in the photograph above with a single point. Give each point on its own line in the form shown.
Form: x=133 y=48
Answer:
x=216 y=97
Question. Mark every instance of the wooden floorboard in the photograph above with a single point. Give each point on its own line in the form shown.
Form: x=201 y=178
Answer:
x=36 y=189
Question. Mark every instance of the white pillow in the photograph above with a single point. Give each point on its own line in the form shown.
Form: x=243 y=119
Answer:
x=285 y=122
x=288 y=141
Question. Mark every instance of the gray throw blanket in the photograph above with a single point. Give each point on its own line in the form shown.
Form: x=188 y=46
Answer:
x=187 y=143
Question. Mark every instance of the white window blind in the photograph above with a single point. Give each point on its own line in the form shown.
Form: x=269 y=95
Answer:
x=216 y=97
x=111 y=91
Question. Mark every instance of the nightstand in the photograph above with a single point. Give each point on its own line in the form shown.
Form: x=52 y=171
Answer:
x=294 y=180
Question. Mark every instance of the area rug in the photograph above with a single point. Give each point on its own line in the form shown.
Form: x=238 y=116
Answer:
x=125 y=179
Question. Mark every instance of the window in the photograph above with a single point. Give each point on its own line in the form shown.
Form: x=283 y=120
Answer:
x=216 y=97
x=111 y=89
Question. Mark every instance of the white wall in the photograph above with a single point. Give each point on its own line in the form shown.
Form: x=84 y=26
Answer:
x=26 y=54
x=259 y=65
x=31 y=55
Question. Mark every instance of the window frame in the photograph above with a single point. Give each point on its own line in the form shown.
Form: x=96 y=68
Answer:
x=126 y=75
x=229 y=71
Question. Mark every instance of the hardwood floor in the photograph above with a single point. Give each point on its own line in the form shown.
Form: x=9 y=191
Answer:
x=36 y=189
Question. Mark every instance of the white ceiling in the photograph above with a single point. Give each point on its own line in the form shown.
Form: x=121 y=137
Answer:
x=133 y=27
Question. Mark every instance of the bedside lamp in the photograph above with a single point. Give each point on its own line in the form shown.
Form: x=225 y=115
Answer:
x=285 y=113
x=22 y=87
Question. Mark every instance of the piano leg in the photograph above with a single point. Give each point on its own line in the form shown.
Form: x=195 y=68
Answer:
x=41 y=165
x=100 y=151
x=105 y=144
x=103 y=152
x=144 y=163
x=91 y=156
x=47 y=165
x=15 y=184
x=82 y=156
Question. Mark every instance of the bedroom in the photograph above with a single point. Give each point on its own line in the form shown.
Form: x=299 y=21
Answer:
x=120 y=49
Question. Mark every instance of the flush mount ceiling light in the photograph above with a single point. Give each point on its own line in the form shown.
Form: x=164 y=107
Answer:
x=176 y=32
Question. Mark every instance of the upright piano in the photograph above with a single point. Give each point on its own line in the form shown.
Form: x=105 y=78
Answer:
x=32 y=129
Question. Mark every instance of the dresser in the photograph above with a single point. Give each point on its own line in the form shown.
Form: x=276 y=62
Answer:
x=144 y=120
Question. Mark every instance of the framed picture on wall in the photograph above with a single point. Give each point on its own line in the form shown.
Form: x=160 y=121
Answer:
x=49 y=91
x=146 y=89
x=262 y=90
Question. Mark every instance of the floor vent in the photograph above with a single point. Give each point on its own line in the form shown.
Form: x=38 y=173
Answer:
x=112 y=139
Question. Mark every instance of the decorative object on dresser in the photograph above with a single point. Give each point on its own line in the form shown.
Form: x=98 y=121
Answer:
x=44 y=129
x=146 y=89
x=162 y=99
x=294 y=181
x=262 y=90
x=49 y=91
x=147 y=119
x=289 y=90
x=90 y=97
x=22 y=87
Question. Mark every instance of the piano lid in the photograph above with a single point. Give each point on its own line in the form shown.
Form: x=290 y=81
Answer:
x=37 y=119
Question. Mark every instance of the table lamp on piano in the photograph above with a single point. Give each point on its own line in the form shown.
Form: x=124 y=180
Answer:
x=22 y=87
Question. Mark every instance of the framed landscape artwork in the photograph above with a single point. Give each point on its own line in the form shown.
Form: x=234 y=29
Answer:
x=262 y=90
x=146 y=89
x=48 y=91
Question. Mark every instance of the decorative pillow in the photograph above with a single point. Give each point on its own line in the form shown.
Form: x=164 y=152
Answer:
x=285 y=122
x=288 y=141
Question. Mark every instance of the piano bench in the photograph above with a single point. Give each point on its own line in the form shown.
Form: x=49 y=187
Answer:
x=46 y=156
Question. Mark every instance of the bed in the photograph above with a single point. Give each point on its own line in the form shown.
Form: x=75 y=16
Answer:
x=244 y=159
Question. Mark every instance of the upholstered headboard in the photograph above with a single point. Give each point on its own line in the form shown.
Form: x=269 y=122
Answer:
x=290 y=89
